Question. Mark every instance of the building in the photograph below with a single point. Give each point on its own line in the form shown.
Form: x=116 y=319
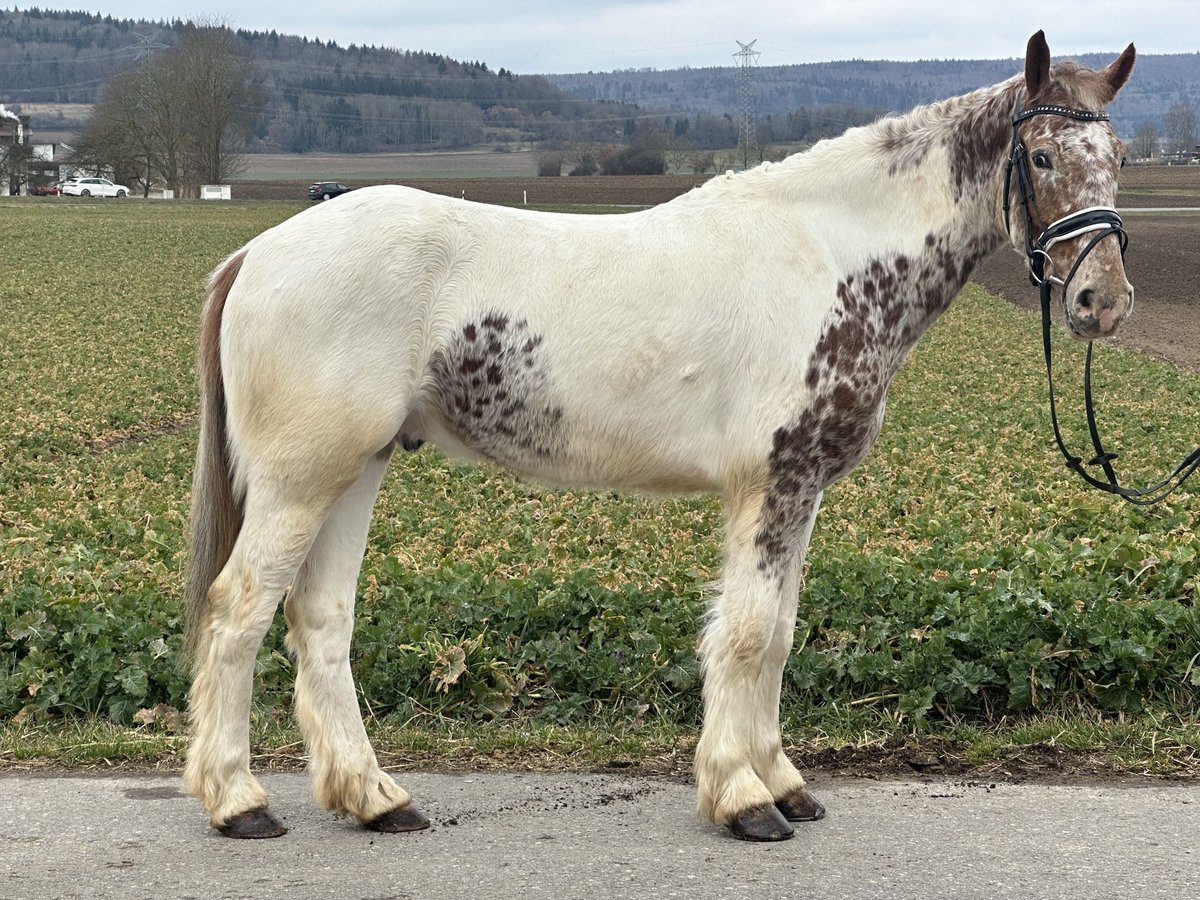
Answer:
x=24 y=165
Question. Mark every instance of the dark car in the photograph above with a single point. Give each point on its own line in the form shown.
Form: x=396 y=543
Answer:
x=45 y=190
x=323 y=190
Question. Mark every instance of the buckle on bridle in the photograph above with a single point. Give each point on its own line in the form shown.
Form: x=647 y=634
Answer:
x=1038 y=259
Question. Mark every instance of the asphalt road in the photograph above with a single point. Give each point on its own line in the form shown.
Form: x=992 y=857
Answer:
x=580 y=836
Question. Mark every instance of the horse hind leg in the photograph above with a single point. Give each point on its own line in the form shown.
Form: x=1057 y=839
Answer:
x=280 y=522
x=320 y=615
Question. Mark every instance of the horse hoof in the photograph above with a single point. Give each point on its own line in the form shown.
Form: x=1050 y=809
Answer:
x=800 y=806
x=763 y=823
x=402 y=818
x=253 y=824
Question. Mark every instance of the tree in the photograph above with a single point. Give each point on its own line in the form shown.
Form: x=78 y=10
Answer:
x=14 y=162
x=583 y=160
x=550 y=164
x=1145 y=141
x=127 y=134
x=645 y=155
x=178 y=118
x=220 y=98
x=703 y=161
x=678 y=155
x=1180 y=129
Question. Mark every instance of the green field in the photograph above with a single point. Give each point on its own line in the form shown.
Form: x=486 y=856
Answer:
x=959 y=579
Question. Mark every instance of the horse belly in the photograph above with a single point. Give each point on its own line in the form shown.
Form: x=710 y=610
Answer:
x=492 y=391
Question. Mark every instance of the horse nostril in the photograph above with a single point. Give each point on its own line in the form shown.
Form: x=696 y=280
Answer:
x=1083 y=300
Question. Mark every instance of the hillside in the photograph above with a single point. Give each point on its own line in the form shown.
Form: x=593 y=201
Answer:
x=319 y=95
x=324 y=97
x=1158 y=82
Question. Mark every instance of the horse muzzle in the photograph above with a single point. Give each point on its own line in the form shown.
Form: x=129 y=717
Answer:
x=1097 y=312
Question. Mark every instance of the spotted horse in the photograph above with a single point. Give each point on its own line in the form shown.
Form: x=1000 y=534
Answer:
x=739 y=339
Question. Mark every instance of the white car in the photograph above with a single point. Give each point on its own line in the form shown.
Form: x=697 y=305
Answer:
x=93 y=187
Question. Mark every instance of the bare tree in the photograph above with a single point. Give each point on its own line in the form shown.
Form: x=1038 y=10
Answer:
x=702 y=161
x=123 y=135
x=14 y=162
x=1145 y=141
x=219 y=99
x=583 y=159
x=550 y=163
x=677 y=156
x=1180 y=129
x=178 y=118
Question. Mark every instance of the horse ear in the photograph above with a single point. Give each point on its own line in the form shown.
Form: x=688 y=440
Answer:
x=1117 y=72
x=1037 y=65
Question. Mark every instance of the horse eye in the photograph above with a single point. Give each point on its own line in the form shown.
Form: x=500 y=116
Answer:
x=1041 y=159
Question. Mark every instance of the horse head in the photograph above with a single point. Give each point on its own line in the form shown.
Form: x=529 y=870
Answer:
x=1062 y=185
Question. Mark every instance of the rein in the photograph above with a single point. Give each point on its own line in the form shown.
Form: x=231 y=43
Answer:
x=1103 y=221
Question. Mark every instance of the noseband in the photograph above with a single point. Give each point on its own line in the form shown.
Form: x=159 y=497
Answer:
x=1100 y=221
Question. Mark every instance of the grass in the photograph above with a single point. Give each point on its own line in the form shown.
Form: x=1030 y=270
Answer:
x=1067 y=747
x=963 y=590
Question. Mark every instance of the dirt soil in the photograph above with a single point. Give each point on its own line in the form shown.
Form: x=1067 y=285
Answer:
x=894 y=757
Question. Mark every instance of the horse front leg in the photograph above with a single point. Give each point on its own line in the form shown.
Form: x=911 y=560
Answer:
x=744 y=778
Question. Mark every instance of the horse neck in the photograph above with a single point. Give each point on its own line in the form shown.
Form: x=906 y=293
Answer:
x=948 y=157
x=906 y=208
x=932 y=182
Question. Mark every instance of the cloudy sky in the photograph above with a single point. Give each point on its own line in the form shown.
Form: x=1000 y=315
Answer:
x=600 y=35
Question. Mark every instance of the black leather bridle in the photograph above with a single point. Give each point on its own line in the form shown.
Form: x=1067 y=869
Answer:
x=1100 y=222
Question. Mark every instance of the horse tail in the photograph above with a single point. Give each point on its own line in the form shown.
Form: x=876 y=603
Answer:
x=217 y=513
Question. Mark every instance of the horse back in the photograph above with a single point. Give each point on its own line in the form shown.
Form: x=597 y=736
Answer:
x=640 y=350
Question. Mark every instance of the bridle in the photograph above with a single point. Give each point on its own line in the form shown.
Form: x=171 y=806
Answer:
x=1100 y=222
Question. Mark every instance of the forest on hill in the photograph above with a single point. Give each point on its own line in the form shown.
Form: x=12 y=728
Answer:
x=319 y=96
x=1159 y=82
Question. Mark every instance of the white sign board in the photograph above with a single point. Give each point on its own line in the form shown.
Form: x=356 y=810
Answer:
x=215 y=192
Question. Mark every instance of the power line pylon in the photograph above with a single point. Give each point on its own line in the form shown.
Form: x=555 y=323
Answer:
x=147 y=45
x=746 y=58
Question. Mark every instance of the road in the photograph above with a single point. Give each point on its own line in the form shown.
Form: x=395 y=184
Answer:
x=581 y=836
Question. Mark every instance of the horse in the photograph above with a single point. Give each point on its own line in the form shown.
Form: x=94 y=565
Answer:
x=738 y=340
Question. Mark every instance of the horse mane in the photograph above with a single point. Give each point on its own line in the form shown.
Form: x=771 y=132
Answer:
x=888 y=146
x=898 y=142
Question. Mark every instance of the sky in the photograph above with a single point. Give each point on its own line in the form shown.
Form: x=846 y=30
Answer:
x=603 y=35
